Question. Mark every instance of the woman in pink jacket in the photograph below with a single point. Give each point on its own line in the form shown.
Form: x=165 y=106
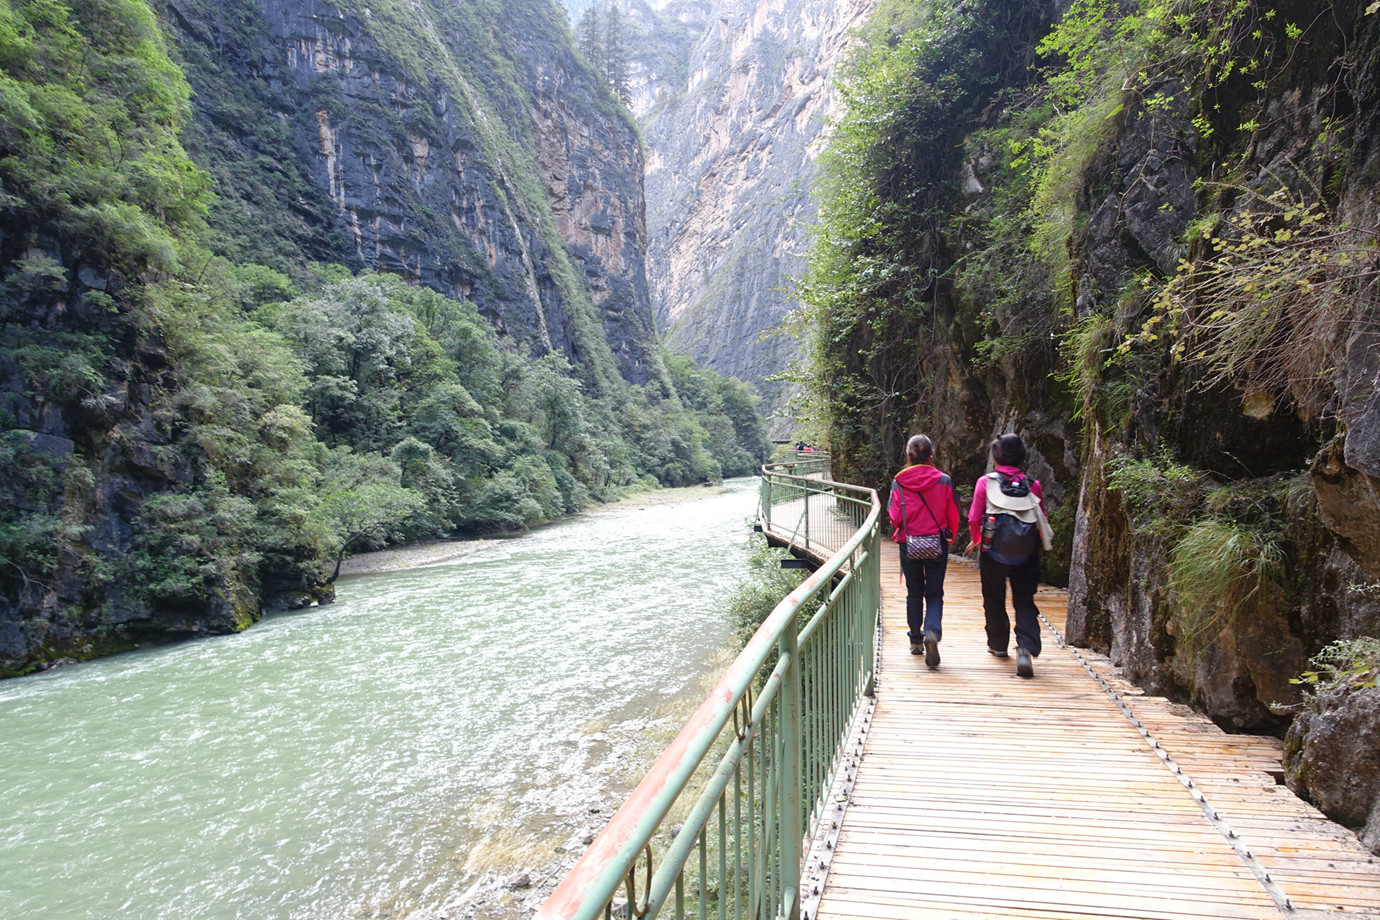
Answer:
x=923 y=503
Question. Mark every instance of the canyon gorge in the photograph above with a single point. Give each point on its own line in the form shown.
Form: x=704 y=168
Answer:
x=1057 y=218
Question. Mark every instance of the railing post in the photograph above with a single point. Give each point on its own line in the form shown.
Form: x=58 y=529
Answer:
x=766 y=501
x=790 y=802
x=871 y=597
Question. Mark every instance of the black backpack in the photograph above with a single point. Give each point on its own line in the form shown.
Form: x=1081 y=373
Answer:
x=1013 y=540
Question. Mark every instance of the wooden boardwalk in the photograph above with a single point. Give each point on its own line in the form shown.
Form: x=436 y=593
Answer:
x=979 y=794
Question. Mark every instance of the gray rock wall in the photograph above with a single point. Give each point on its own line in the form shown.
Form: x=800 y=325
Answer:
x=1119 y=595
x=107 y=452
x=1332 y=758
x=730 y=157
x=473 y=155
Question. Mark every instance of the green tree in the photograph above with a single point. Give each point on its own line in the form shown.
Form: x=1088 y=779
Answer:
x=30 y=511
x=591 y=34
x=236 y=408
x=880 y=280
x=194 y=544
x=363 y=501
x=360 y=350
x=451 y=421
x=616 y=54
x=736 y=435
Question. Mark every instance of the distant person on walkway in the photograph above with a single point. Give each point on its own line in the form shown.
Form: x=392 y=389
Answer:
x=1007 y=520
x=924 y=519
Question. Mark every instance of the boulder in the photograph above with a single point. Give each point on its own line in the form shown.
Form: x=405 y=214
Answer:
x=1332 y=758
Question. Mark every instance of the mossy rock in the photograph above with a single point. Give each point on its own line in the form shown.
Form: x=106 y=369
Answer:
x=1332 y=758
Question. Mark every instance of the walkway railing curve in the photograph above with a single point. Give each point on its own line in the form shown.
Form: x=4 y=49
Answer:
x=718 y=828
x=805 y=510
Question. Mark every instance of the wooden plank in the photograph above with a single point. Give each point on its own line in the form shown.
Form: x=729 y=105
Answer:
x=979 y=794
x=867 y=905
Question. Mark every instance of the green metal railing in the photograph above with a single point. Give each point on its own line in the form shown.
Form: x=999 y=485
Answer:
x=804 y=463
x=718 y=827
x=805 y=510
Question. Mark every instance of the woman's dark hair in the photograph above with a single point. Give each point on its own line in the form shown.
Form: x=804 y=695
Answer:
x=1008 y=450
x=919 y=449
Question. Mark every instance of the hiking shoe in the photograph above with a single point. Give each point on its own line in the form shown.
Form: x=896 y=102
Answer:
x=915 y=649
x=993 y=652
x=1023 y=667
x=931 y=649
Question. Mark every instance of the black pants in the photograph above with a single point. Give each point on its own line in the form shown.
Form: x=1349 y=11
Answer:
x=1025 y=577
x=924 y=590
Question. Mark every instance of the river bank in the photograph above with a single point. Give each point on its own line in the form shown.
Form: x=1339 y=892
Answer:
x=417 y=555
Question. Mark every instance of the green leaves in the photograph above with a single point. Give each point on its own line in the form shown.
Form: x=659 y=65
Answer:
x=901 y=228
x=1353 y=664
x=1268 y=303
x=192 y=544
x=91 y=109
x=735 y=435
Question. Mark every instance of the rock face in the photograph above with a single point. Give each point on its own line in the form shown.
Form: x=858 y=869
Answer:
x=1116 y=599
x=1346 y=473
x=111 y=452
x=1332 y=758
x=731 y=152
x=461 y=146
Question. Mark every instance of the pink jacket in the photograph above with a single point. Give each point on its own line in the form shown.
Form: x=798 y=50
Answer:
x=979 y=506
x=938 y=491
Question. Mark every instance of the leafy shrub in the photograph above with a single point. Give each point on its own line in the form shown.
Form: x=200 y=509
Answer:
x=1159 y=495
x=1352 y=663
x=1270 y=303
x=192 y=544
x=1218 y=568
x=31 y=515
x=765 y=586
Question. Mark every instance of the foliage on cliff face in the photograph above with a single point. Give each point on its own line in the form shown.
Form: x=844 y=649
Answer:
x=90 y=112
x=879 y=290
x=897 y=226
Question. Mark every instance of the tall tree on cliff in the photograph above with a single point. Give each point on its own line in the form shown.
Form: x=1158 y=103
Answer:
x=591 y=37
x=603 y=42
x=616 y=54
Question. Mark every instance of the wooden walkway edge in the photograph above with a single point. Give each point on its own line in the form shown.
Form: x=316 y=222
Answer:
x=979 y=794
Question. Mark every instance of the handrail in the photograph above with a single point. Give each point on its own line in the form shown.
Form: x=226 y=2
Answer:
x=746 y=778
x=806 y=516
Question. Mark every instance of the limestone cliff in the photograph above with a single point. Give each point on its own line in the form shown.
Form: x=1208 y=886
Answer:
x=160 y=471
x=1120 y=590
x=730 y=155
x=463 y=146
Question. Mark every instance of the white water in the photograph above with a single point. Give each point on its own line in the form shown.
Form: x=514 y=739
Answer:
x=377 y=755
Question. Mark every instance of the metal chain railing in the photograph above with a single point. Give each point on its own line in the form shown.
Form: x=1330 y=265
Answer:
x=717 y=828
